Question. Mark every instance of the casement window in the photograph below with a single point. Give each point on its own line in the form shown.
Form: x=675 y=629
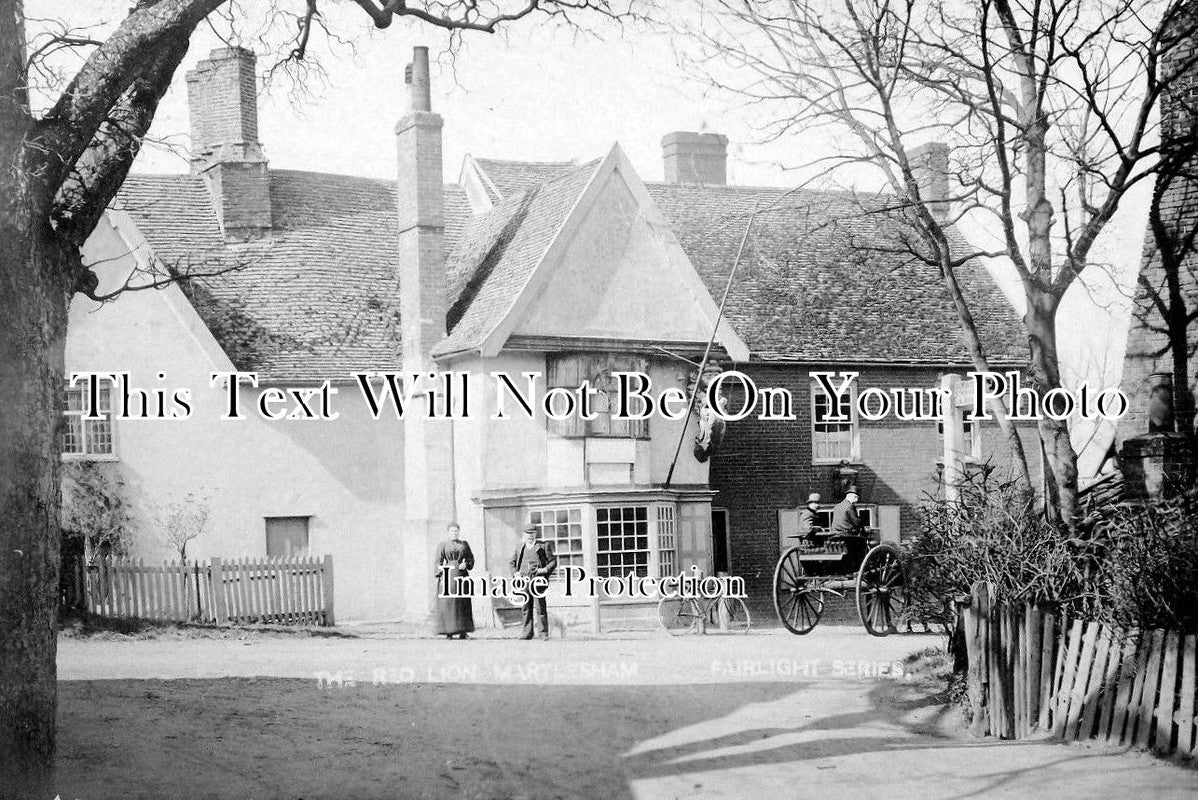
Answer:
x=561 y=528
x=622 y=541
x=286 y=537
x=570 y=370
x=88 y=438
x=667 y=542
x=971 y=439
x=833 y=441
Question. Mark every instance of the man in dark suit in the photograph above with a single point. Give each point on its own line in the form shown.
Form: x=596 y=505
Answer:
x=845 y=520
x=534 y=558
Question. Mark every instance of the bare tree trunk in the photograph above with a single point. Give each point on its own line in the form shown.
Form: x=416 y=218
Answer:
x=33 y=317
x=1061 y=501
x=32 y=344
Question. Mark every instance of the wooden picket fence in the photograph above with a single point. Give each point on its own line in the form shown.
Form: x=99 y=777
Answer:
x=285 y=591
x=1032 y=672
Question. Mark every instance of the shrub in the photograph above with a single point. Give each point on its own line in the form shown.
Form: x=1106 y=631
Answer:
x=1129 y=565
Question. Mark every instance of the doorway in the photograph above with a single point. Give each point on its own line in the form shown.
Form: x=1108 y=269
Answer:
x=719 y=540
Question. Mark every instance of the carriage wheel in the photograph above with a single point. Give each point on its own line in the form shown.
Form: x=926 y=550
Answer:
x=729 y=615
x=881 y=588
x=796 y=601
x=680 y=615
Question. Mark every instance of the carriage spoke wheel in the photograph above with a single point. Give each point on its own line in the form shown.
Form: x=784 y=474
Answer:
x=728 y=615
x=680 y=615
x=797 y=601
x=881 y=589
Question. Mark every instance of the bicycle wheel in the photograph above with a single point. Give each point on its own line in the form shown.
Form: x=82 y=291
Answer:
x=680 y=615
x=729 y=615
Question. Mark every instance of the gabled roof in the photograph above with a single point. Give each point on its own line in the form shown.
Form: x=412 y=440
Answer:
x=819 y=280
x=319 y=298
x=499 y=252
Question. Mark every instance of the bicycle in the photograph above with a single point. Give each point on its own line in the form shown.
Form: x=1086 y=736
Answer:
x=683 y=615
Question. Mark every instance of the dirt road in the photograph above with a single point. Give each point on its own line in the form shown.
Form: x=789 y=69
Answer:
x=764 y=715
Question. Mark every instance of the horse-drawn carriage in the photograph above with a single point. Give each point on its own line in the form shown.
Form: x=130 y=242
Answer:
x=830 y=564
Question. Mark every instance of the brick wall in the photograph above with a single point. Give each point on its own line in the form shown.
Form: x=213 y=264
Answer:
x=1148 y=348
x=764 y=466
x=222 y=97
x=420 y=205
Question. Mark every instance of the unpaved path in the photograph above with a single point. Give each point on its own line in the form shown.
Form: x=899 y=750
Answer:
x=765 y=715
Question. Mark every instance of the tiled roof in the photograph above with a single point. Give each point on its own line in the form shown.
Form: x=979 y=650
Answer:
x=319 y=298
x=500 y=253
x=818 y=281
x=514 y=177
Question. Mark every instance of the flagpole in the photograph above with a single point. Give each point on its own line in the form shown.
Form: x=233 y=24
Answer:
x=707 y=351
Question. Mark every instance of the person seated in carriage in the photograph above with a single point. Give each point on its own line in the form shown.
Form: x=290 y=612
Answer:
x=809 y=530
x=845 y=519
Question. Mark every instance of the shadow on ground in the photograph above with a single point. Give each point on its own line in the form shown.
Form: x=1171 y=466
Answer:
x=286 y=738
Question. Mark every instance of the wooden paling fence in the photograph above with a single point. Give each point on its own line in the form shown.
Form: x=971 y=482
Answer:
x=1032 y=672
x=286 y=591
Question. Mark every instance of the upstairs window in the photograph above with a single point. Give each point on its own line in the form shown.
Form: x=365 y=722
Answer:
x=833 y=441
x=88 y=438
x=570 y=370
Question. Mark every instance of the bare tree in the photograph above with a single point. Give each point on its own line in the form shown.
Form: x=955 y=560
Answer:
x=183 y=521
x=1047 y=108
x=58 y=172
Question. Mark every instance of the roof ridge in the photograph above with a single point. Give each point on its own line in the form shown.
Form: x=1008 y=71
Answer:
x=523 y=161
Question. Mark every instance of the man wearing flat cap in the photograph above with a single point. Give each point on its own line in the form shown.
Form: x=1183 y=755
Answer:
x=809 y=530
x=534 y=558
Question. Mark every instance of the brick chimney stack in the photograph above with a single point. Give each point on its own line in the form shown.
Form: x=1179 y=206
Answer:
x=930 y=167
x=222 y=96
x=419 y=190
x=700 y=158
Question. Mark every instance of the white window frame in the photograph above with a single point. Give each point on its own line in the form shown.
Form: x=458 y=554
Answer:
x=854 y=456
x=667 y=541
x=603 y=571
x=108 y=421
x=574 y=519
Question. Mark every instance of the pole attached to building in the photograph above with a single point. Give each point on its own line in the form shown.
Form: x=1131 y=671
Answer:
x=740 y=250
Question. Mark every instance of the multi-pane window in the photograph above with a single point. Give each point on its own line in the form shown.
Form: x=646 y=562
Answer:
x=561 y=528
x=622 y=541
x=570 y=370
x=667 y=542
x=832 y=440
x=84 y=438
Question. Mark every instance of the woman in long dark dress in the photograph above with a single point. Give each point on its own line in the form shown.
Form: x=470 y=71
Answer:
x=455 y=617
